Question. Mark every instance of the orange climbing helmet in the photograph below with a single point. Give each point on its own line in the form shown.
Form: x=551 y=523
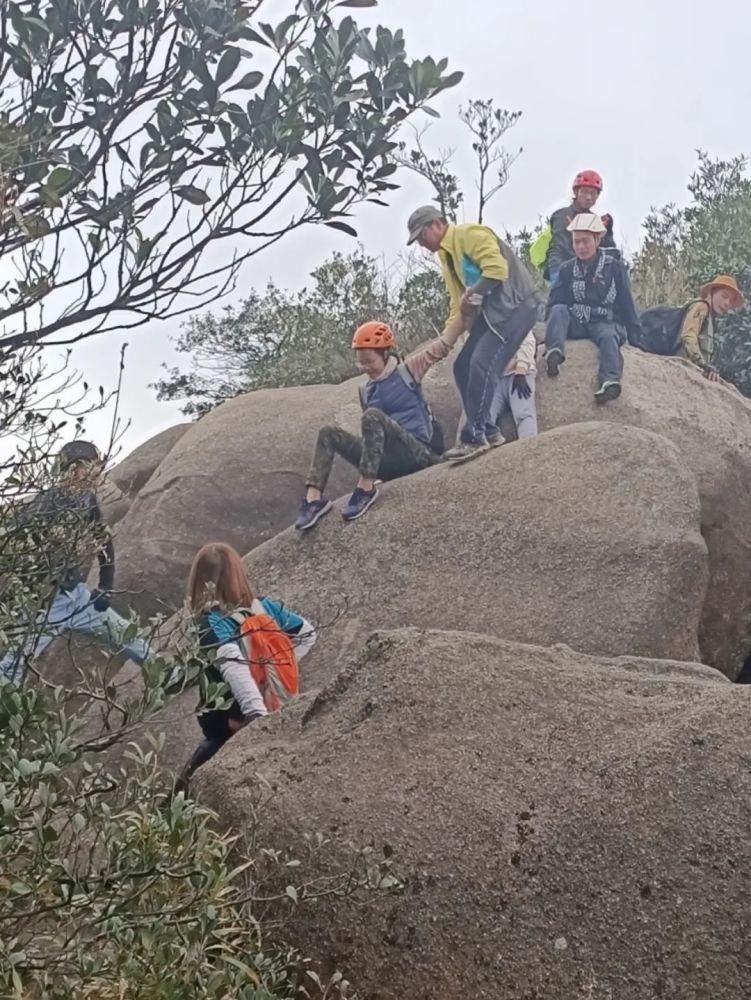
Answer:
x=376 y=335
x=587 y=178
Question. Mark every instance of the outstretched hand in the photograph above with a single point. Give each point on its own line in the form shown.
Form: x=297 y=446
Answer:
x=710 y=373
x=521 y=387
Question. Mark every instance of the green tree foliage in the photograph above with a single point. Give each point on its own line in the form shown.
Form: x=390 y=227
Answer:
x=135 y=135
x=276 y=338
x=685 y=247
x=108 y=889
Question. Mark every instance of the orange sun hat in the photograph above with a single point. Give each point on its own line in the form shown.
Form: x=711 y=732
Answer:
x=723 y=281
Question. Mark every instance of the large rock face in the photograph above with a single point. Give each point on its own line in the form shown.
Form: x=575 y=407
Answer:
x=587 y=535
x=711 y=425
x=236 y=476
x=565 y=827
x=132 y=474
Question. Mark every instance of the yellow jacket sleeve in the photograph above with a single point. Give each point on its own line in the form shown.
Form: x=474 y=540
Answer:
x=691 y=328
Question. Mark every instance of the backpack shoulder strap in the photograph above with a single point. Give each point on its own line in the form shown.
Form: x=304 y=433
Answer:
x=407 y=378
x=363 y=398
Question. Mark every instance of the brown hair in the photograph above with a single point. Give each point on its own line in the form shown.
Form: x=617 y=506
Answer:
x=218 y=576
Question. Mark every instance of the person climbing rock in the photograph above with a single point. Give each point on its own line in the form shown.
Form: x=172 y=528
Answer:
x=66 y=523
x=696 y=338
x=689 y=330
x=587 y=188
x=252 y=644
x=516 y=394
x=591 y=299
x=491 y=294
x=399 y=435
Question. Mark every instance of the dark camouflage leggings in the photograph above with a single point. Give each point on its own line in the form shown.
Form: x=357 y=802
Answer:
x=385 y=450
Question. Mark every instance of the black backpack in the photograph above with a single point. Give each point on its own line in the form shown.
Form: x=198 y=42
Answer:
x=660 y=329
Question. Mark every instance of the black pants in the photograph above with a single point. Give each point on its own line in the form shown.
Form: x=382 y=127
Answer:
x=216 y=732
x=481 y=364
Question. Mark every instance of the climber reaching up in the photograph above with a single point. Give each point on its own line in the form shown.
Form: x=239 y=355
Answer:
x=591 y=299
x=491 y=294
x=399 y=434
x=252 y=645
x=587 y=189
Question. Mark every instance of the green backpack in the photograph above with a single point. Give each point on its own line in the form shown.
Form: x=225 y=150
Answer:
x=538 y=251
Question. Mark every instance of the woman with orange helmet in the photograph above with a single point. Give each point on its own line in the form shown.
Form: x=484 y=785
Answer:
x=587 y=188
x=399 y=435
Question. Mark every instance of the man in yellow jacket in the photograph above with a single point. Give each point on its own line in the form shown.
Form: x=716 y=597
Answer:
x=490 y=293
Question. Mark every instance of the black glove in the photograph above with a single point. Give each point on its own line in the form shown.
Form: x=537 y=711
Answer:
x=100 y=600
x=521 y=387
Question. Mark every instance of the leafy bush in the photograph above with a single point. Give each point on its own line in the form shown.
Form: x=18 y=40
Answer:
x=685 y=247
x=108 y=887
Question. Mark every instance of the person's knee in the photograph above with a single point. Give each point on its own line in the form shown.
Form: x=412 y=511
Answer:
x=372 y=416
x=327 y=432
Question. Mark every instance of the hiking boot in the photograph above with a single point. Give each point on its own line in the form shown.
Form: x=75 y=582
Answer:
x=311 y=512
x=554 y=359
x=495 y=440
x=608 y=391
x=465 y=451
x=358 y=503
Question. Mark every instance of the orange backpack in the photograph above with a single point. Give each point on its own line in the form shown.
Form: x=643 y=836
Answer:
x=271 y=657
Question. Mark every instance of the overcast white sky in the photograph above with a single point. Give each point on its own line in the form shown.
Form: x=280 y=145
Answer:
x=630 y=89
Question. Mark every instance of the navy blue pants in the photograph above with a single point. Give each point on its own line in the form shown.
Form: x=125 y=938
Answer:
x=481 y=364
x=608 y=336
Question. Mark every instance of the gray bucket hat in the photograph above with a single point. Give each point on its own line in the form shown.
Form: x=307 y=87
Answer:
x=420 y=218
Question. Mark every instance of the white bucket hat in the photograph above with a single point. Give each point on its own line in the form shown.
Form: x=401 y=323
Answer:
x=586 y=222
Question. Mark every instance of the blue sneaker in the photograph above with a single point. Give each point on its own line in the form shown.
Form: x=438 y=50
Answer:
x=311 y=512
x=358 y=503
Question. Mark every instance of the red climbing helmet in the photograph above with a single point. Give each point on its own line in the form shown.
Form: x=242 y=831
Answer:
x=588 y=179
x=375 y=335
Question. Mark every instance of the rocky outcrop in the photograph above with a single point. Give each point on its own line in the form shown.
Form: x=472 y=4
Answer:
x=563 y=826
x=538 y=541
x=711 y=426
x=135 y=470
x=238 y=473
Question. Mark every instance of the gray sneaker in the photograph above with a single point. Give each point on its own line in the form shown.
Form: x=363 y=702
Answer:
x=495 y=440
x=466 y=451
x=554 y=359
x=608 y=391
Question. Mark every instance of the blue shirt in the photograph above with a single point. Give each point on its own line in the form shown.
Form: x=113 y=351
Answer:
x=226 y=630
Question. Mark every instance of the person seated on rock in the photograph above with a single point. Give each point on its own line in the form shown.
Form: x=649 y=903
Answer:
x=696 y=340
x=65 y=523
x=399 y=434
x=516 y=395
x=253 y=645
x=492 y=294
x=591 y=299
x=587 y=189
